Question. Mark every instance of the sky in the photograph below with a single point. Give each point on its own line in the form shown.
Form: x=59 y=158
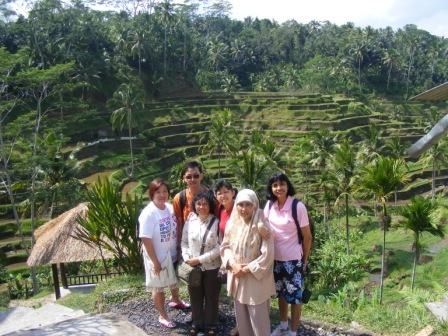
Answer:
x=430 y=15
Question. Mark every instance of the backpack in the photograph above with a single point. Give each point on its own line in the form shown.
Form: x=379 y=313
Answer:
x=182 y=200
x=295 y=202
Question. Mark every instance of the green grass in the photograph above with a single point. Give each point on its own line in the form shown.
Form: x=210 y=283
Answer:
x=78 y=301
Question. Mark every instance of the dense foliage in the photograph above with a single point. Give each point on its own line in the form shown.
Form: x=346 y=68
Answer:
x=197 y=41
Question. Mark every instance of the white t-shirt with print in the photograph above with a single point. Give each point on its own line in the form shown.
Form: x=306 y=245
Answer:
x=160 y=226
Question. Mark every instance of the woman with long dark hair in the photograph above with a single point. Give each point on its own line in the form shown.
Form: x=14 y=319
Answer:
x=290 y=253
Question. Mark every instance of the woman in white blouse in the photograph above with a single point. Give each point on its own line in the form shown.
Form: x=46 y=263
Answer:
x=200 y=246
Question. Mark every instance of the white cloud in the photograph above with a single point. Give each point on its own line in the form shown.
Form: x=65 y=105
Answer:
x=430 y=15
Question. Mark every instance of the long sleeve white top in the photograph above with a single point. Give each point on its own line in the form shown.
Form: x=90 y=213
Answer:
x=192 y=237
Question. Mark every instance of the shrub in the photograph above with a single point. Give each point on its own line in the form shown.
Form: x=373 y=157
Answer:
x=4 y=296
x=111 y=224
x=334 y=267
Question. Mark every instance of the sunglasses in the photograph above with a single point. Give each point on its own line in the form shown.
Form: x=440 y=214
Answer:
x=190 y=177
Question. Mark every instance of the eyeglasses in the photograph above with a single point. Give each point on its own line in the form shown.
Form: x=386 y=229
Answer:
x=190 y=177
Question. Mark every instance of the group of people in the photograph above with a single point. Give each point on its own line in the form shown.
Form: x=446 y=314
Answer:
x=263 y=252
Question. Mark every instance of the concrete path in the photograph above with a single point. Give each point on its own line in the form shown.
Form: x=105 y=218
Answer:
x=88 y=325
x=57 y=320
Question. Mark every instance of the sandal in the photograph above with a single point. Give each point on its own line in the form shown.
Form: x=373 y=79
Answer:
x=167 y=323
x=179 y=305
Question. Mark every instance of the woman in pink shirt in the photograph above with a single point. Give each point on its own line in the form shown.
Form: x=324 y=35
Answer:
x=290 y=255
x=225 y=195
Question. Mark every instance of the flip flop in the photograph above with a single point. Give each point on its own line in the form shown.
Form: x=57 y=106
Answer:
x=166 y=323
x=180 y=305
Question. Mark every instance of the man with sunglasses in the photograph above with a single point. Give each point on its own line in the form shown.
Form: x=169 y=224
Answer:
x=192 y=175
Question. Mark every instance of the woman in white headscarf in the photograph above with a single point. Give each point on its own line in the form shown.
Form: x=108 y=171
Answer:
x=249 y=261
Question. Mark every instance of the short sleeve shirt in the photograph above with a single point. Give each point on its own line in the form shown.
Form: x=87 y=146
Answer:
x=283 y=227
x=160 y=226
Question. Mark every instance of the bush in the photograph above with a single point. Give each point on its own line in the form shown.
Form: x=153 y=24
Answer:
x=334 y=267
x=4 y=296
x=110 y=224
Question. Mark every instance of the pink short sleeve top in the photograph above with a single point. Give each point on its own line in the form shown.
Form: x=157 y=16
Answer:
x=283 y=227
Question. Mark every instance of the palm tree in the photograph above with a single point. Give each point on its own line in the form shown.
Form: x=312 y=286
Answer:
x=327 y=187
x=131 y=99
x=221 y=135
x=395 y=149
x=371 y=144
x=166 y=9
x=343 y=167
x=418 y=217
x=251 y=169
x=381 y=178
x=435 y=156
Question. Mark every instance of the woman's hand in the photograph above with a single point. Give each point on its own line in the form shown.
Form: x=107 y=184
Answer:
x=240 y=270
x=157 y=267
x=264 y=232
x=192 y=262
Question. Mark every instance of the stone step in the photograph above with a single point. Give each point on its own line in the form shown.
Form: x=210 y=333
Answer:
x=22 y=318
x=109 y=324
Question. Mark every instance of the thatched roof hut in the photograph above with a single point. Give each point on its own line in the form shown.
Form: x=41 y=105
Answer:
x=56 y=242
x=438 y=93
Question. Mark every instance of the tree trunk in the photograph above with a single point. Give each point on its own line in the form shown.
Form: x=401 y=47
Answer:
x=383 y=254
x=416 y=256
x=131 y=173
x=409 y=73
x=164 y=52
x=388 y=76
x=347 y=233
x=433 y=180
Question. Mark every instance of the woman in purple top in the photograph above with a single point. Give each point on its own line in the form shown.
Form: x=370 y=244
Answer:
x=290 y=255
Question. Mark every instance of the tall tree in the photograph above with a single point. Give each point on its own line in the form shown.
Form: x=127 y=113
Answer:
x=221 y=136
x=417 y=216
x=380 y=179
x=343 y=167
x=130 y=98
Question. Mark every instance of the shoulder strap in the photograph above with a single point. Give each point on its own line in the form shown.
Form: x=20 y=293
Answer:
x=182 y=200
x=209 y=226
x=295 y=202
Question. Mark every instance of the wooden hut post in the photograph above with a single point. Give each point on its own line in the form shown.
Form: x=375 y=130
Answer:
x=63 y=275
x=57 y=290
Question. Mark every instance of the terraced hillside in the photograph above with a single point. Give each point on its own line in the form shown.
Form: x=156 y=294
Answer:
x=173 y=130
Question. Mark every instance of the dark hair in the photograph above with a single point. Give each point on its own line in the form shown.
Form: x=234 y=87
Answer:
x=191 y=165
x=222 y=184
x=278 y=177
x=207 y=195
x=155 y=184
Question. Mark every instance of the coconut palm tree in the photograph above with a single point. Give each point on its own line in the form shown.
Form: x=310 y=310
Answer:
x=343 y=167
x=380 y=179
x=221 y=136
x=418 y=216
x=130 y=97
x=436 y=156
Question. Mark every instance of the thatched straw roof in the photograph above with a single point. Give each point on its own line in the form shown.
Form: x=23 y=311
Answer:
x=56 y=242
x=438 y=93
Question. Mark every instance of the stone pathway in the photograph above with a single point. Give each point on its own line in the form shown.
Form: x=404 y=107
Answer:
x=45 y=317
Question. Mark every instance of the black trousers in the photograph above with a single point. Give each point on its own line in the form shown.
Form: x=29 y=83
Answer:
x=204 y=300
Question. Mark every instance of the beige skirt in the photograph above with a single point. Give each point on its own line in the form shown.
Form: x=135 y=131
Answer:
x=167 y=276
